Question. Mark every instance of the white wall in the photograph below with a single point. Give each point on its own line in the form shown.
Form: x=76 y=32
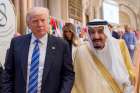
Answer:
x=8 y=29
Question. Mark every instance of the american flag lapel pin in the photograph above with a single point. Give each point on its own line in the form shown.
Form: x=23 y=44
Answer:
x=53 y=48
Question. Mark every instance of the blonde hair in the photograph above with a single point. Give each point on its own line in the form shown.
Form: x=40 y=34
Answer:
x=70 y=27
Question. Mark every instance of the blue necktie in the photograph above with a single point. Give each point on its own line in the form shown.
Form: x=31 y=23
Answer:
x=34 y=67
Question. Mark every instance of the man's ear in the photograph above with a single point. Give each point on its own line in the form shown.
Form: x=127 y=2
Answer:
x=29 y=26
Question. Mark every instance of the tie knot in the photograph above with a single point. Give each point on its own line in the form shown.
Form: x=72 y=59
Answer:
x=37 y=41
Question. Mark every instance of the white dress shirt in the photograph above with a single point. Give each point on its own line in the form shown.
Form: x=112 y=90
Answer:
x=42 y=47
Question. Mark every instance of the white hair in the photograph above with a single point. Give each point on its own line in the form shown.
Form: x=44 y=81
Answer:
x=36 y=11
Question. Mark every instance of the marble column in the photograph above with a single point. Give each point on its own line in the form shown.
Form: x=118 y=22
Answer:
x=23 y=12
x=17 y=10
x=21 y=7
x=64 y=10
x=55 y=8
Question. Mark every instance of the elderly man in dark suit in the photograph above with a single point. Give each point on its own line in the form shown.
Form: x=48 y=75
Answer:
x=38 y=62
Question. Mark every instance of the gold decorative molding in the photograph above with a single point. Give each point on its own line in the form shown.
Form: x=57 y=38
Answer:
x=75 y=9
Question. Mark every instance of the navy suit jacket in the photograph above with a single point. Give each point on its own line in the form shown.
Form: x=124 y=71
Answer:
x=115 y=35
x=58 y=75
x=1 y=70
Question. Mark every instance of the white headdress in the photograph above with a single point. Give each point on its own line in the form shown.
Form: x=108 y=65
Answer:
x=118 y=68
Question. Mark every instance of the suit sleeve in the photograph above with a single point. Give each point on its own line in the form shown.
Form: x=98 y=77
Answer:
x=68 y=75
x=1 y=70
x=8 y=73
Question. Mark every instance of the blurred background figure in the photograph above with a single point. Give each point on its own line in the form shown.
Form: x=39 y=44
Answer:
x=17 y=34
x=130 y=39
x=114 y=33
x=137 y=33
x=83 y=36
x=69 y=35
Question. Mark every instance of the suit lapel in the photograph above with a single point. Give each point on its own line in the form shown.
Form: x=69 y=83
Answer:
x=24 y=53
x=49 y=59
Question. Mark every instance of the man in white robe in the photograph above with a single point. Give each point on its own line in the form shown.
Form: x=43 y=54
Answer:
x=99 y=66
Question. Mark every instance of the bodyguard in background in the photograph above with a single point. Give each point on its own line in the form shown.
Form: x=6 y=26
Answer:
x=130 y=39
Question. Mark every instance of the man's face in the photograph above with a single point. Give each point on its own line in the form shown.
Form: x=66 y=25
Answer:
x=38 y=24
x=97 y=36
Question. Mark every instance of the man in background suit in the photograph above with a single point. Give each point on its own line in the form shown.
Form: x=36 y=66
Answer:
x=38 y=62
x=114 y=33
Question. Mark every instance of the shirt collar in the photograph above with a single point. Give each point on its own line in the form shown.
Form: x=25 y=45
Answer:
x=42 y=40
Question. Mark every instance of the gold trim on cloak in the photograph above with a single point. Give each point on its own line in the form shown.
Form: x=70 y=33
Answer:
x=137 y=68
x=106 y=74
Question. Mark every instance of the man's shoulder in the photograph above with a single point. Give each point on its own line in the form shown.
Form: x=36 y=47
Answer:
x=83 y=47
x=57 y=39
x=21 y=38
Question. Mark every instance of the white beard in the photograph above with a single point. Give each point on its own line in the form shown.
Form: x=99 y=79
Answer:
x=105 y=58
